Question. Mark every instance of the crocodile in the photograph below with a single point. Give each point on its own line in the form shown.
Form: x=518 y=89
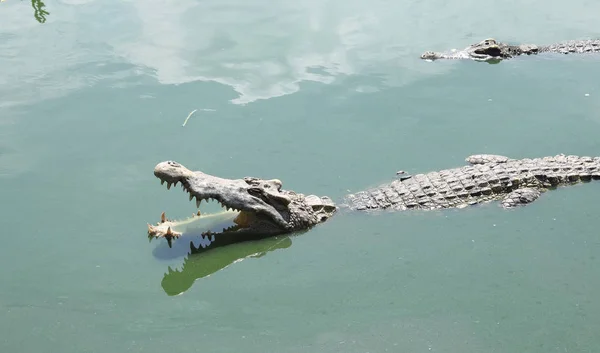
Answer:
x=263 y=207
x=490 y=50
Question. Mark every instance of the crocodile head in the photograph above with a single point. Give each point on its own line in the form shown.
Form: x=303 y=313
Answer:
x=261 y=207
x=486 y=50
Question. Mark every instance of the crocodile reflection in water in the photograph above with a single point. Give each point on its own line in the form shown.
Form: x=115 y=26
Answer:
x=205 y=254
x=201 y=263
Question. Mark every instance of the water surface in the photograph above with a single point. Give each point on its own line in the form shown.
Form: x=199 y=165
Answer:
x=330 y=97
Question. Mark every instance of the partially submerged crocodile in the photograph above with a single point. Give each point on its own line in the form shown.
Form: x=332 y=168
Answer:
x=262 y=207
x=492 y=50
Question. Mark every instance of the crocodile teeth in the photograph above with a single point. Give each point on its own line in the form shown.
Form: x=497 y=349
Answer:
x=197 y=203
x=198 y=214
x=175 y=183
x=191 y=197
x=168 y=186
x=163 y=218
x=162 y=182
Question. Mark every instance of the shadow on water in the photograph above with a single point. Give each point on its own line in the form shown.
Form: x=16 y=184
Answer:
x=38 y=10
x=206 y=255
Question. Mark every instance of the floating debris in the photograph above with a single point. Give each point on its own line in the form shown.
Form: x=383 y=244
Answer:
x=188 y=117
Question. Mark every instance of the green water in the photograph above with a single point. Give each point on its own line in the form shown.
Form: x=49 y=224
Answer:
x=329 y=97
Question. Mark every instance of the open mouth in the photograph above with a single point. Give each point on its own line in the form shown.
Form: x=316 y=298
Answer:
x=254 y=206
x=230 y=219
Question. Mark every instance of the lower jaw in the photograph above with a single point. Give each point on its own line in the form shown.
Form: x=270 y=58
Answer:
x=208 y=222
x=205 y=224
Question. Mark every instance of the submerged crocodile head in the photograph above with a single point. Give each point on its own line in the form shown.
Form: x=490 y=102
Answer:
x=486 y=50
x=261 y=207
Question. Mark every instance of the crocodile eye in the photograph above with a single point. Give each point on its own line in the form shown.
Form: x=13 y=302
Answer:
x=255 y=191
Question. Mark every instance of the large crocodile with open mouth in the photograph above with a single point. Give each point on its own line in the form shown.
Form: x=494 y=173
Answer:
x=491 y=50
x=263 y=207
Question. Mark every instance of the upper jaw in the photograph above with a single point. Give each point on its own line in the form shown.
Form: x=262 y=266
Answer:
x=231 y=193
